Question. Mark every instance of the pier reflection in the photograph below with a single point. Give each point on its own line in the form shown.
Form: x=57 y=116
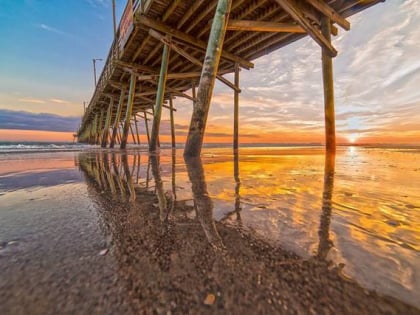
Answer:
x=325 y=242
x=173 y=256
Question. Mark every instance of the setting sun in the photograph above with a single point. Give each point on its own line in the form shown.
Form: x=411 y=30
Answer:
x=352 y=138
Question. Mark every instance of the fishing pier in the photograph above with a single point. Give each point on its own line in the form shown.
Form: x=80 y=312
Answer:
x=162 y=49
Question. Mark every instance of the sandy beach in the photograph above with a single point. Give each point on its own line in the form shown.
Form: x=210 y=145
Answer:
x=272 y=231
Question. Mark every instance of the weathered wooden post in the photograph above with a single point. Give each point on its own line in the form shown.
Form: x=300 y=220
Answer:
x=99 y=128
x=132 y=133
x=327 y=75
x=130 y=102
x=137 y=129
x=107 y=123
x=117 y=119
x=159 y=99
x=93 y=130
x=171 y=109
x=208 y=76
x=236 y=110
x=146 y=125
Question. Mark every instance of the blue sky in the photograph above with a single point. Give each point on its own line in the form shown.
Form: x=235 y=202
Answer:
x=47 y=49
x=46 y=67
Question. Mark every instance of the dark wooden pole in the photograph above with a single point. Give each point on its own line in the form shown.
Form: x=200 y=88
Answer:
x=137 y=130
x=159 y=99
x=132 y=134
x=107 y=123
x=327 y=75
x=117 y=119
x=146 y=124
x=236 y=110
x=208 y=76
x=171 y=109
x=100 y=128
x=130 y=102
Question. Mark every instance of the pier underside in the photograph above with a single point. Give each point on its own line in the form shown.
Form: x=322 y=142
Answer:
x=164 y=48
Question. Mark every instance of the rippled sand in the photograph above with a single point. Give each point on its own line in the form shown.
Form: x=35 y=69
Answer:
x=354 y=216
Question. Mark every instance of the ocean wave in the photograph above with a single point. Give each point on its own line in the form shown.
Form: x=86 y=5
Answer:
x=14 y=147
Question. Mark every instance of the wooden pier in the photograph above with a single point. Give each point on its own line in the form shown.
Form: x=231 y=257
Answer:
x=164 y=48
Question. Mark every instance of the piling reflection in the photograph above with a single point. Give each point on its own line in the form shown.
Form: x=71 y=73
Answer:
x=160 y=194
x=174 y=257
x=325 y=243
x=202 y=201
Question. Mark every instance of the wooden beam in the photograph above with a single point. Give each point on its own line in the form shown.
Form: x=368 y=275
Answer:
x=170 y=9
x=290 y=7
x=187 y=56
x=134 y=66
x=263 y=26
x=141 y=19
x=193 y=8
x=179 y=93
x=205 y=89
x=325 y=9
x=181 y=75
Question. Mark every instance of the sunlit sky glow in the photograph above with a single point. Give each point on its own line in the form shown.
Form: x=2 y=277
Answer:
x=46 y=73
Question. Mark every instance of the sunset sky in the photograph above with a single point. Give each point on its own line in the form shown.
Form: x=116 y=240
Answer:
x=46 y=73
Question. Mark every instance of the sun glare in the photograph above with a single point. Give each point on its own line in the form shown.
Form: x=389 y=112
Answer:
x=352 y=138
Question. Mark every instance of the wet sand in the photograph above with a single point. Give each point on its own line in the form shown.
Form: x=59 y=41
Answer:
x=109 y=243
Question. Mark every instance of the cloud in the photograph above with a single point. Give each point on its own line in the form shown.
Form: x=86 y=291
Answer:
x=51 y=29
x=31 y=121
x=58 y=101
x=32 y=100
x=98 y=3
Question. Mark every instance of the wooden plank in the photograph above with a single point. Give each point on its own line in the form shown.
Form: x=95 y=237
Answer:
x=141 y=19
x=263 y=26
x=290 y=7
x=325 y=9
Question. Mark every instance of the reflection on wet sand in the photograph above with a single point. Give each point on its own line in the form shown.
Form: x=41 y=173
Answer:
x=202 y=201
x=180 y=260
x=325 y=243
